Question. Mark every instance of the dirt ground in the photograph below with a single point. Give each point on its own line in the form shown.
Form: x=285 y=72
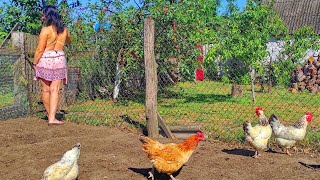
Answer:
x=28 y=146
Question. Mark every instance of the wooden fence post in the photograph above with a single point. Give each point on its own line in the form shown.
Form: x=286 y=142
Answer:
x=151 y=79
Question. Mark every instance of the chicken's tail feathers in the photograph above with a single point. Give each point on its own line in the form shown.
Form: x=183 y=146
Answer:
x=246 y=126
x=142 y=139
x=149 y=146
x=273 y=119
x=145 y=139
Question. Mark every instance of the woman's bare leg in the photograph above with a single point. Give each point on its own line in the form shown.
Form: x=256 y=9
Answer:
x=45 y=88
x=54 y=99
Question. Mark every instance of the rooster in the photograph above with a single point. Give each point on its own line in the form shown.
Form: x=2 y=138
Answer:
x=169 y=158
x=259 y=135
x=287 y=136
x=262 y=117
x=66 y=168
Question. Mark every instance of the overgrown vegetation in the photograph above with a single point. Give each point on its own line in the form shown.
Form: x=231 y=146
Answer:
x=101 y=30
x=107 y=33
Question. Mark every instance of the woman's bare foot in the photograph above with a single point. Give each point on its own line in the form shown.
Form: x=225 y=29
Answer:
x=55 y=122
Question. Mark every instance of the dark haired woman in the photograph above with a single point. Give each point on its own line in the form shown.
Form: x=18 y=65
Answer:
x=49 y=60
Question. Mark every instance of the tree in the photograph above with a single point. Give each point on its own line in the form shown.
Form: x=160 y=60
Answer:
x=243 y=45
x=28 y=14
x=181 y=25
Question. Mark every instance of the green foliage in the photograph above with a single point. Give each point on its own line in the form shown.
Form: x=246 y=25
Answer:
x=238 y=39
x=176 y=36
x=6 y=99
x=296 y=46
x=26 y=12
x=178 y=33
x=225 y=79
x=244 y=38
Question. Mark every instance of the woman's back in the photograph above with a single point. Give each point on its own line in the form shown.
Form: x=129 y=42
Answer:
x=56 y=41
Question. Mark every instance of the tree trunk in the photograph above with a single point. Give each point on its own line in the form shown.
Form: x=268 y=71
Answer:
x=117 y=81
x=236 y=90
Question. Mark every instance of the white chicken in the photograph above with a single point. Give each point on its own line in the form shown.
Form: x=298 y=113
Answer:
x=287 y=136
x=259 y=135
x=66 y=168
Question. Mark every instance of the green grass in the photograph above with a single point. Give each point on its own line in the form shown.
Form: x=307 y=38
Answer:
x=6 y=100
x=208 y=104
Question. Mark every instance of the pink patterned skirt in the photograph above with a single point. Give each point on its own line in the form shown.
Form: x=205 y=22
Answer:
x=52 y=66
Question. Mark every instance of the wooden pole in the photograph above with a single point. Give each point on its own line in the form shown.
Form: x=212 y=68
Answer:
x=151 y=79
x=165 y=128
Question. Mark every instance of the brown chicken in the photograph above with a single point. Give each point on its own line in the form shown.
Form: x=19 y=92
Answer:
x=258 y=136
x=287 y=136
x=169 y=158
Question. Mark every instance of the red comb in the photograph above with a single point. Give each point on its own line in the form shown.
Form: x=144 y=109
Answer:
x=309 y=113
x=259 y=108
x=200 y=135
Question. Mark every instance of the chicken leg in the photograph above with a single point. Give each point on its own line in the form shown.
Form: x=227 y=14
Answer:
x=256 y=154
x=172 y=178
x=287 y=151
x=151 y=174
x=295 y=150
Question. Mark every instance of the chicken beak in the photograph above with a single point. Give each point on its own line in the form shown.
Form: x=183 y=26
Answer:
x=77 y=145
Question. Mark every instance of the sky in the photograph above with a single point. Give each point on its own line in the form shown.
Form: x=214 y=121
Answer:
x=240 y=3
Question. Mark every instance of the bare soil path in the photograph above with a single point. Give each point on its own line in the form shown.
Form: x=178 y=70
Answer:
x=28 y=146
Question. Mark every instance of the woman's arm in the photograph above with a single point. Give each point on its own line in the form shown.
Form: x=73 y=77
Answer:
x=41 y=45
x=68 y=38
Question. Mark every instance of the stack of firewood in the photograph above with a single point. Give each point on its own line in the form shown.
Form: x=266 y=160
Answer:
x=306 y=77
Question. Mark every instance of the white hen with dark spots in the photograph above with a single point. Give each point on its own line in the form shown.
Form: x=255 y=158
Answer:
x=287 y=136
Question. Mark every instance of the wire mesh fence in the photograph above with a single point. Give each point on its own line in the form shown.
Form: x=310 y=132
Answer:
x=197 y=87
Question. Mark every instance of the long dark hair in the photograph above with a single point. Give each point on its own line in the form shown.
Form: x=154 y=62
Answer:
x=53 y=18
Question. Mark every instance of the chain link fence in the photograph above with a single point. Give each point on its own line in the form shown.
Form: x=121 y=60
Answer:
x=196 y=90
x=6 y=83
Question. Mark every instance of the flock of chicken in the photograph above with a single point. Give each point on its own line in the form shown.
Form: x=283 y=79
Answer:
x=285 y=136
x=169 y=158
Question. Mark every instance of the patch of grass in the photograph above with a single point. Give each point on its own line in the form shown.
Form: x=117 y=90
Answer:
x=208 y=104
x=6 y=100
x=103 y=112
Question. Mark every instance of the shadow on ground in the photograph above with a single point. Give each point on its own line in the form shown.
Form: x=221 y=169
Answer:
x=240 y=152
x=157 y=175
x=311 y=166
x=134 y=123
